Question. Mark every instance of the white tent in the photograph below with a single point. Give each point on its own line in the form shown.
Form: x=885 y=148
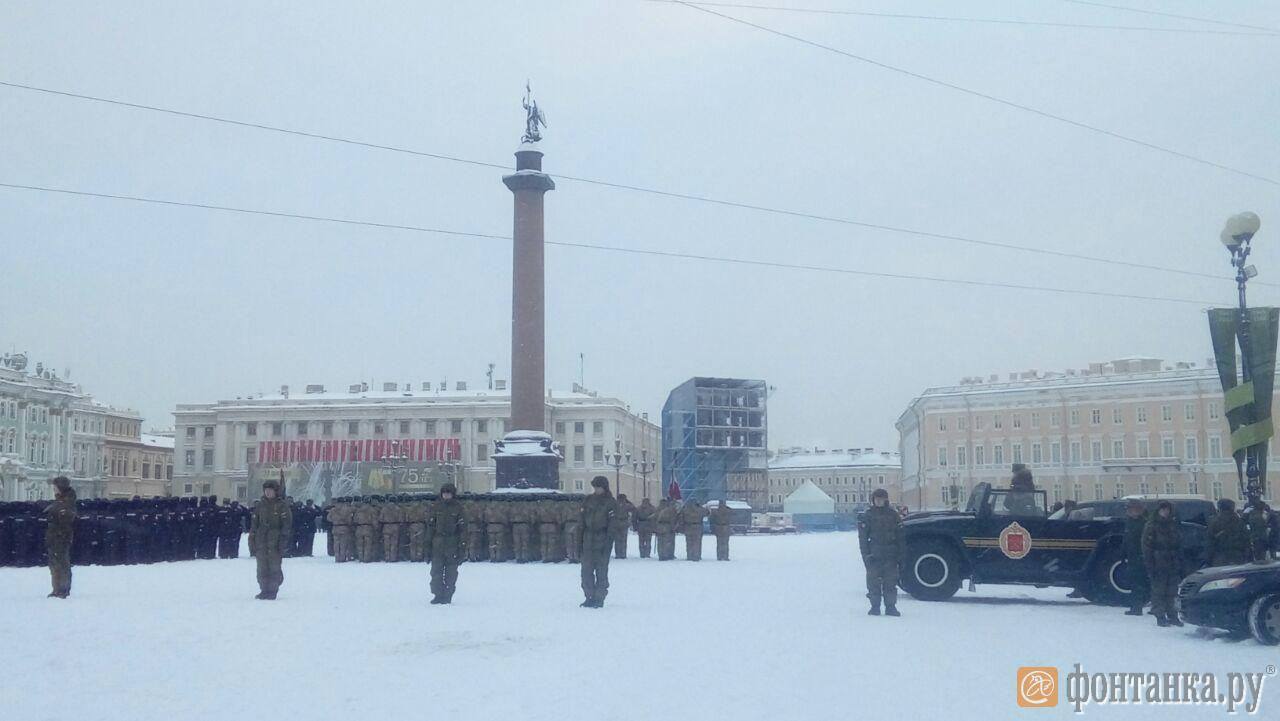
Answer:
x=808 y=499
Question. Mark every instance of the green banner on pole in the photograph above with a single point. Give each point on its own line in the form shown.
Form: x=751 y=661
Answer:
x=1247 y=405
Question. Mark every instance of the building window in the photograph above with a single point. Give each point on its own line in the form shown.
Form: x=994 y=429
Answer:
x=404 y=428
x=942 y=423
x=1189 y=411
x=189 y=459
x=597 y=455
x=430 y=427
x=1117 y=416
x=1075 y=454
x=302 y=428
x=168 y=473
x=1215 y=448
x=1095 y=417
x=1144 y=448
x=1055 y=419
x=186 y=489
x=1193 y=486
x=1055 y=452
x=353 y=428
x=1117 y=449
x=1017 y=453
x=482 y=452
x=942 y=456
x=277 y=428
x=579 y=456
x=1213 y=410
x=559 y=428
x=146 y=471
x=977 y=423
x=1036 y=456
x=250 y=456
x=191 y=431
x=979 y=455
x=1217 y=490
x=597 y=428
x=997 y=422
x=1035 y=420
x=1144 y=488
x=962 y=456
x=1168 y=487
x=577 y=485
x=455 y=426
x=997 y=454
x=1017 y=420
x=962 y=423
x=1097 y=491
x=207 y=458
x=326 y=428
x=208 y=431
x=1075 y=417
x=482 y=426
x=251 y=429
x=1095 y=449
x=1166 y=447
x=579 y=427
x=1119 y=489
x=1057 y=493
x=1142 y=414
x=379 y=428
x=1166 y=413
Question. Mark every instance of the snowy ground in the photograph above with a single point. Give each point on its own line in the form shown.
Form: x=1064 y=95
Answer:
x=778 y=633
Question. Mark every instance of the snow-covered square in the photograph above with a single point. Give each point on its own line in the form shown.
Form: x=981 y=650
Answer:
x=780 y=632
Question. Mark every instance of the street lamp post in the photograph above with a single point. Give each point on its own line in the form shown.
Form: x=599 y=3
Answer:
x=643 y=468
x=392 y=462
x=1236 y=236
x=616 y=461
x=954 y=489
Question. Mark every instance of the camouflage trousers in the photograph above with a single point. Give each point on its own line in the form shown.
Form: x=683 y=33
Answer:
x=475 y=542
x=364 y=543
x=619 y=543
x=693 y=544
x=646 y=543
x=722 y=545
x=882 y=580
x=1164 y=588
x=549 y=537
x=595 y=566
x=495 y=532
x=444 y=571
x=573 y=543
x=343 y=543
x=520 y=542
x=60 y=567
x=666 y=545
x=270 y=570
x=417 y=541
x=391 y=542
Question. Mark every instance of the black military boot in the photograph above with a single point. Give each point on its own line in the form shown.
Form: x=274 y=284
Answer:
x=1173 y=620
x=587 y=604
x=891 y=610
x=875 y=609
x=261 y=595
x=1134 y=611
x=1162 y=620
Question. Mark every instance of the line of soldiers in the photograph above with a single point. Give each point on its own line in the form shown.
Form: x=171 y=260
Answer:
x=520 y=527
x=112 y=532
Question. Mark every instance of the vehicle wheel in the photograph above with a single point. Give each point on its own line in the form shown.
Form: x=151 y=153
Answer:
x=931 y=572
x=1108 y=580
x=1264 y=619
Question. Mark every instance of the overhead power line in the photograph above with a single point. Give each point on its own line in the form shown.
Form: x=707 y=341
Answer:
x=626 y=186
x=605 y=248
x=970 y=20
x=1158 y=13
x=978 y=93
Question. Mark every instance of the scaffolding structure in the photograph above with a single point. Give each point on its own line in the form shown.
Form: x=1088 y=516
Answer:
x=714 y=439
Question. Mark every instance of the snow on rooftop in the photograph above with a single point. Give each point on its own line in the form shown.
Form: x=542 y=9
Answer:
x=157 y=441
x=832 y=459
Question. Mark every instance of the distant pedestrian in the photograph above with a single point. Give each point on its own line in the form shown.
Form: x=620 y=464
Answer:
x=58 y=536
x=880 y=540
x=271 y=535
x=1162 y=552
x=1135 y=566
x=645 y=526
x=598 y=511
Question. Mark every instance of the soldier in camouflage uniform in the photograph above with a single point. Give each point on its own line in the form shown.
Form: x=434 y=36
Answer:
x=1258 y=518
x=495 y=520
x=571 y=520
x=721 y=526
x=473 y=510
x=59 y=535
x=665 y=521
x=446 y=527
x=620 y=525
x=521 y=519
x=597 y=515
x=342 y=523
x=1227 y=538
x=1162 y=554
x=880 y=540
x=549 y=529
x=272 y=531
x=691 y=523
x=390 y=516
x=415 y=520
x=365 y=515
x=644 y=526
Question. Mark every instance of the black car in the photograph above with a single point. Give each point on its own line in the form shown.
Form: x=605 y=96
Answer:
x=1006 y=536
x=1188 y=509
x=1240 y=599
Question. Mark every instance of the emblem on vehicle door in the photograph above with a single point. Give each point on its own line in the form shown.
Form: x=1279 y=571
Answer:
x=1015 y=541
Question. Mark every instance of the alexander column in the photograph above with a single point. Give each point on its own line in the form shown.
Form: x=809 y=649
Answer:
x=526 y=454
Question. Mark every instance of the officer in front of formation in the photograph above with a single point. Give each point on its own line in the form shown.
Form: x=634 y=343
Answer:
x=445 y=528
x=880 y=541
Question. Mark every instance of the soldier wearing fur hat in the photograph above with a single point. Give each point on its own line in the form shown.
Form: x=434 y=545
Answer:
x=1162 y=555
x=598 y=511
x=271 y=534
x=61 y=515
x=880 y=540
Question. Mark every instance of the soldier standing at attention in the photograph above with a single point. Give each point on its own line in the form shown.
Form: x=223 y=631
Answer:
x=597 y=514
x=521 y=517
x=571 y=518
x=476 y=547
x=644 y=526
x=445 y=528
x=58 y=535
x=549 y=529
x=341 y=523
x=665 y=525
x=1227 y=538
x=722 y=526
x=271 y=534
x=391 y=516
x=691 y=523
x=620 y=524
x=880 y=540
x=1134 y=524
x=1162 y=552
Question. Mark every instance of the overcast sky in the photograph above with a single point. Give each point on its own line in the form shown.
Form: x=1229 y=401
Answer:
x=153 y=306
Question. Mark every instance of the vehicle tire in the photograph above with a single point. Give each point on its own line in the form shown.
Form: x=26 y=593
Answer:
x=1264 y=619
x=931 y=571
x=1108 y=580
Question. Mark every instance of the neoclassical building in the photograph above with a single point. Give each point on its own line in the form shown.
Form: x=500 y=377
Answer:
x=1135 y=425
x=849 y=476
